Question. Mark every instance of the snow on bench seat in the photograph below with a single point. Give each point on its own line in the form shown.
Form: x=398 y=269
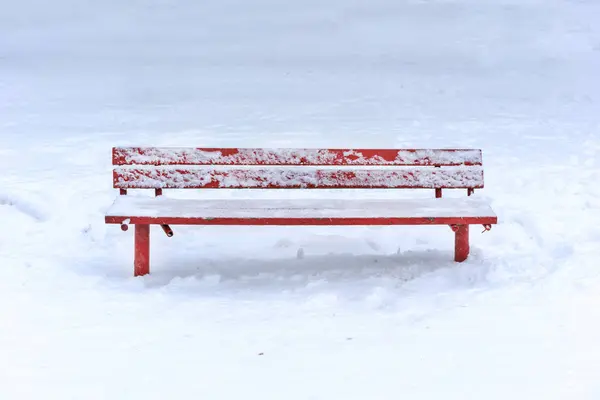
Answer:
x=163 y=210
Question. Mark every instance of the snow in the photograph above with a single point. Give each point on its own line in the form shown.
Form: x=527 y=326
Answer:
x=139 y=206
x=176 y=177
x=300 y=312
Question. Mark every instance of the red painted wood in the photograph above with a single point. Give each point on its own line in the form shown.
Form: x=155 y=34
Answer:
x=461 y=243
x=122 y=192
x=141 y=259
x=255 y=156
x=301 y=221
x=299 y=178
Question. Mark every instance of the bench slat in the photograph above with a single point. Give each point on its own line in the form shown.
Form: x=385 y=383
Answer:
x=300 y=211
x=279 y=178
x=308 y=221
x=315 y=157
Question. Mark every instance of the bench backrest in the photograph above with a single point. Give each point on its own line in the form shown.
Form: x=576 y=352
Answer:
x=229 y=168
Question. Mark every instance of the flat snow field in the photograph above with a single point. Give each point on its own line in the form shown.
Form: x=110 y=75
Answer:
x=300 y=312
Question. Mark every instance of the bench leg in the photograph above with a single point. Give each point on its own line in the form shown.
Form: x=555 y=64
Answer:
x=141 y=258
x=461 y=243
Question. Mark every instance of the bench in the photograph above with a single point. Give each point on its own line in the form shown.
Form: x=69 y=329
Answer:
x=229 y=168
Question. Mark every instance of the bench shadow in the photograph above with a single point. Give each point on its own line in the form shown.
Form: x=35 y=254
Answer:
x=293 y=274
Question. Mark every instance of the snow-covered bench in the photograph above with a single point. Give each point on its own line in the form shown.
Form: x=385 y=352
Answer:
x=203 y=168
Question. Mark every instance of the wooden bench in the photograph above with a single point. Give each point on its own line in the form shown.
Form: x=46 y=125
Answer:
x=227 y=168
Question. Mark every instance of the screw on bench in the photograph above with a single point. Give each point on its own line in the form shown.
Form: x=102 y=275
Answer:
x=125 y=225
x=486 y=228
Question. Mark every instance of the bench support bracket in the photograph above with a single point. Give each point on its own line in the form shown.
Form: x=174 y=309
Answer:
x=167 y=230
x=141 y=258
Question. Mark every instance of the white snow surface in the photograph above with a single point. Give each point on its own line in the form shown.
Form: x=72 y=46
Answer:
x=143 y=206
x=300 y=312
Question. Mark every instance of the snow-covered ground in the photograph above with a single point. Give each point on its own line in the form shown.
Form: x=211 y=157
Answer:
x=233 y=312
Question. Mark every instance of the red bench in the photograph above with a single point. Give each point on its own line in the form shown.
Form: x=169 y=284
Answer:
x=226 y=168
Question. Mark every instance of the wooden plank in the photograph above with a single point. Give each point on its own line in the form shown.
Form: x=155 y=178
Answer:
x=305 y=221
x=146 y=206
x=315 y=157
x=300 y=178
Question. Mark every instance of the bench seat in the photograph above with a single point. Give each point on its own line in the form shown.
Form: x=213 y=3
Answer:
x=171 y=211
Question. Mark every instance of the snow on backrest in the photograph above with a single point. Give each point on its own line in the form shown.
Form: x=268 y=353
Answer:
x=171 y=178
x=161 y=168
x=230 y=156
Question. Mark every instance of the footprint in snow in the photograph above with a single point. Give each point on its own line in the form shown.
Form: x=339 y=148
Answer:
x=23 y=206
